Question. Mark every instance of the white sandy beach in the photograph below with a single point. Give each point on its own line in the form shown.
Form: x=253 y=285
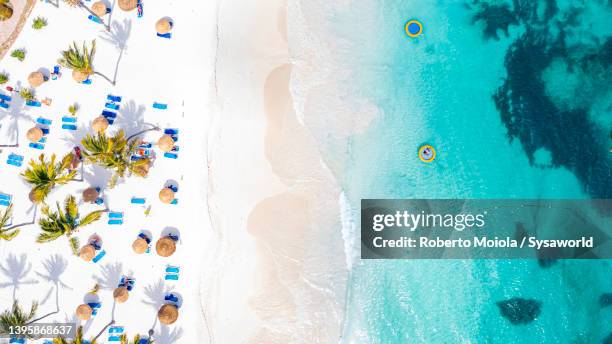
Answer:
x=175 y=71
x=261 y=250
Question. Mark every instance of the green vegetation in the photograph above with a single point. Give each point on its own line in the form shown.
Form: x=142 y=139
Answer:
x=74 y=245
x=4 y=78
x=5 y=217
x=19 y=54
x=16 y=317
x=6 y=11
x=44 y=175
x=72 y=109
x=26 y=94
x=39 y=23
x=114 y=153
x=80 y=60
x=65 y=221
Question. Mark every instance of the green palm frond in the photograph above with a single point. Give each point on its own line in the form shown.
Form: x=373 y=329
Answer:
x=80 y=59
x=16 y=316
x=63 y=222
x=78 y=338
x=44 y=175
x=5 y=217
x=74 y=245
x=113 y=153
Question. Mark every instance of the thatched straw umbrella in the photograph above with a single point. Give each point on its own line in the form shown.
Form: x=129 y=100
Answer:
x=84 y=312
x=34 y=134
x=99 y=124
x=90 y=195
x=140 y=245
x=165 y=246
x=121 y=294
x=163 y=26
x=79 y=76
x=36 y=79
x=166 y=195
x=166 y=143
x=99 y=8
x=167 y=314
x=128 y=5
x=87 y=252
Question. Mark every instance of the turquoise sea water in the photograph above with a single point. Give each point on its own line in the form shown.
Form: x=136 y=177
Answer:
x=516 y=96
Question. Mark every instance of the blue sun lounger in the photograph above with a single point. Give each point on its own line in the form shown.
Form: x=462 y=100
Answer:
x=94 y=306
x=160 y=106
x=171 y=277
x=5 y=97
x=86 y=82
x=70 y=127
x=113 y=98
x=43 y=121
x=136 y=200
x=111 y=106
x=33 y=103
x=170 y=155
x=171 y=297
x=99 y=256
x=115 y=218
x=67 y=119
x=95 y=19
x=173 y=269
x=165 y=35
x=37 y=145
x=69 y=123
x=114 y=333
x=4 y=105
x=15 y=160
x=5 y=200
x=15 y=340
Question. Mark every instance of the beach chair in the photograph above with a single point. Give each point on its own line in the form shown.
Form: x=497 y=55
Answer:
x=172 y=273
x=15 y=340
x=136 y=200
x=99 y=256
x=165 y=35
x=160 y=106
x=115 y=218
x=111 y=106
x=5 y=97
x=4 y=105
x=43 y=121
x=86 y=82
x=170 y=155
x=69 y=123
x=112 y=98
x=95 y=19
x=114 y=333
x=70 y=127
x=34 y=103
x=37 y=145
x=5 y=200
x=15 y=160
x=172 y=298
x=94 y=306
x=174 y=201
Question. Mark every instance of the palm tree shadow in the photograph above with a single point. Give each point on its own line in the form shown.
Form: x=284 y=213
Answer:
x=132 y=117
x=118 y=35
x=165 y=336
x=55 y=266
x=15 y=112
x=74 y=137
x=111 y=274
x=16 y=270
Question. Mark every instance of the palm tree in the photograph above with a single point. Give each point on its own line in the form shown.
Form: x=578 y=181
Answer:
x=45 y=175
x=114 y=153
x=79 y=60
x=5 y=217
x=16 y=317
x=65 y=221
x=78 y=338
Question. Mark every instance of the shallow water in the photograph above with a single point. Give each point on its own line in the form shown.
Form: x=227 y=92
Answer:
x=515 y=96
